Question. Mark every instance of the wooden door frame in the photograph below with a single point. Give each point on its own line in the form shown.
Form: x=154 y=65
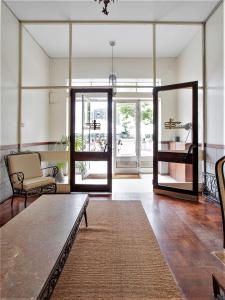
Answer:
x=191 y=158
x=90 y=156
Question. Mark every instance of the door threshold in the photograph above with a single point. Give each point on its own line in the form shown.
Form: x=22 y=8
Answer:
x=99 y=194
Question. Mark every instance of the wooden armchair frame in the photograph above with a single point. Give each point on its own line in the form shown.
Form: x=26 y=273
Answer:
x=17 y=179
x=220 y=177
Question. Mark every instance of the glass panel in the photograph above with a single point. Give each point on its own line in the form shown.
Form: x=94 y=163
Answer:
x=179 y=53
x=175 y=175
x=175 y=120
x=92 y=59
x=91 y=122
x=45 y=55
x=146 y=129
x=126 y=129
x=45 y=120
x=91 y=172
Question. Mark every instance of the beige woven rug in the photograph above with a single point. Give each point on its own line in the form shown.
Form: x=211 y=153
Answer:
x=117 y=257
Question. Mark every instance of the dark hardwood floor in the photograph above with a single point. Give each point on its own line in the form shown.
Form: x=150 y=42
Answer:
x=187 y=234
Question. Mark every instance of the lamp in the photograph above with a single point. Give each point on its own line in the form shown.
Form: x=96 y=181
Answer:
x=105 y=2
x=171 y=124
x=112 y=75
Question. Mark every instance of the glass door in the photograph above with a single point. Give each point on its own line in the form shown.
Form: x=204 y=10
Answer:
x=146 y=137
x=91 y=140
x=176 y=140
x=133 y=139
x=126 y=150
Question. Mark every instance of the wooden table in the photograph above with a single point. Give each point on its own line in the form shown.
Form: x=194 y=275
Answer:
x=35 y=245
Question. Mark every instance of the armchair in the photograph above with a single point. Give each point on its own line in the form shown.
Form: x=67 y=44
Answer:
x=220 y=177
x=26 y=175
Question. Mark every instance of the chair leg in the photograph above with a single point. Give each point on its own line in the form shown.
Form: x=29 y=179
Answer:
x=25 y=202
x=55 y=188
x=12 y=200
x=85 y=217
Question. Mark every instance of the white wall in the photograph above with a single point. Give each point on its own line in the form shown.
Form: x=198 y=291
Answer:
x=215 y=102
x=9 y=76
x=101 y=67
x=35 y=103
x=215 y=128
x=189 y=68
x=58 y=115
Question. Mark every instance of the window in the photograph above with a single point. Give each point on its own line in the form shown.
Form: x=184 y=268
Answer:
x=128 y=85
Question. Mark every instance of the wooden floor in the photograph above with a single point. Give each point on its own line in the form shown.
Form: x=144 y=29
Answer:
x=187 y=234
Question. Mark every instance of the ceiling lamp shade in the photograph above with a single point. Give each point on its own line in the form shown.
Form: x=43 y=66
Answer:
x=105 y=3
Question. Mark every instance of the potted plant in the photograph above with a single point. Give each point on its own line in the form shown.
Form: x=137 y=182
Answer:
x=80 y=146
x=62 y=145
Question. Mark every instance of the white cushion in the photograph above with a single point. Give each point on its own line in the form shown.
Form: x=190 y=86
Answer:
x=28 y=163
x=32 y=183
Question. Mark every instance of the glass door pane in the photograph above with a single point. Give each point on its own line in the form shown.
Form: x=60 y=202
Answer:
x=146 y=137
x=126 y=158
x=91 y=140
x=91 y=123
x=176 y=140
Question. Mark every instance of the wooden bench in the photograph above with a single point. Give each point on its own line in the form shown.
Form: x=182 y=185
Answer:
x=35 y=245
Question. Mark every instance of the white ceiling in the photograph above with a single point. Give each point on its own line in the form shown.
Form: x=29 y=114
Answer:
x=157 y=10
x=131 y=40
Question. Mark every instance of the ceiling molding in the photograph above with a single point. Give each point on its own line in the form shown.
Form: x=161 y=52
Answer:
x=111 y=22
x=213 y=11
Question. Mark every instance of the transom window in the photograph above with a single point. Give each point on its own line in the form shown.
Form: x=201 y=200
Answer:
x=129 y=85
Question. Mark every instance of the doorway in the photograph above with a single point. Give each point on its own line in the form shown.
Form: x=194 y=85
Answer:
x=133 y=137
x=91 y=140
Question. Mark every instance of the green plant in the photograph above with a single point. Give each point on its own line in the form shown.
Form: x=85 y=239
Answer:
x=146 y=113
x=60 y=165
x=61 y=146
x=127 y=112
x=80 y=146
x=79 y=143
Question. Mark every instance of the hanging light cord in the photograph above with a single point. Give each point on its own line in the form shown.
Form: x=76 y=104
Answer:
x=112 y=61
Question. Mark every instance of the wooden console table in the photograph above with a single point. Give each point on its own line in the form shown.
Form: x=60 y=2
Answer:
x=35 y=245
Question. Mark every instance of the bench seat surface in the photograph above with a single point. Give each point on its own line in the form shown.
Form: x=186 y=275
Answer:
x=32 y=242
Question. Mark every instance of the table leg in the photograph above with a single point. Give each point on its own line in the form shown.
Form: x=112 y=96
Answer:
x=85 y=217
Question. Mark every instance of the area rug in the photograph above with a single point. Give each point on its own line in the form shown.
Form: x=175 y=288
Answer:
x=116 y=257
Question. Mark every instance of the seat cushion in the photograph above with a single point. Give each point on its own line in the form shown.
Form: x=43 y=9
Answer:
x=32 y=183
x=28 y=163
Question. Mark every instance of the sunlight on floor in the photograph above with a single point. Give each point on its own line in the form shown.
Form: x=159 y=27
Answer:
x=141 y=185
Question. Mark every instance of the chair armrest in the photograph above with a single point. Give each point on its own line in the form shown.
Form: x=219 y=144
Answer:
x=55 y=170
x=19 y=175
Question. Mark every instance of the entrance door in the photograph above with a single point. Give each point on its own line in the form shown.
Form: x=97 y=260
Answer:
x=91 y=140
x=133 y=145
x=176 y=140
